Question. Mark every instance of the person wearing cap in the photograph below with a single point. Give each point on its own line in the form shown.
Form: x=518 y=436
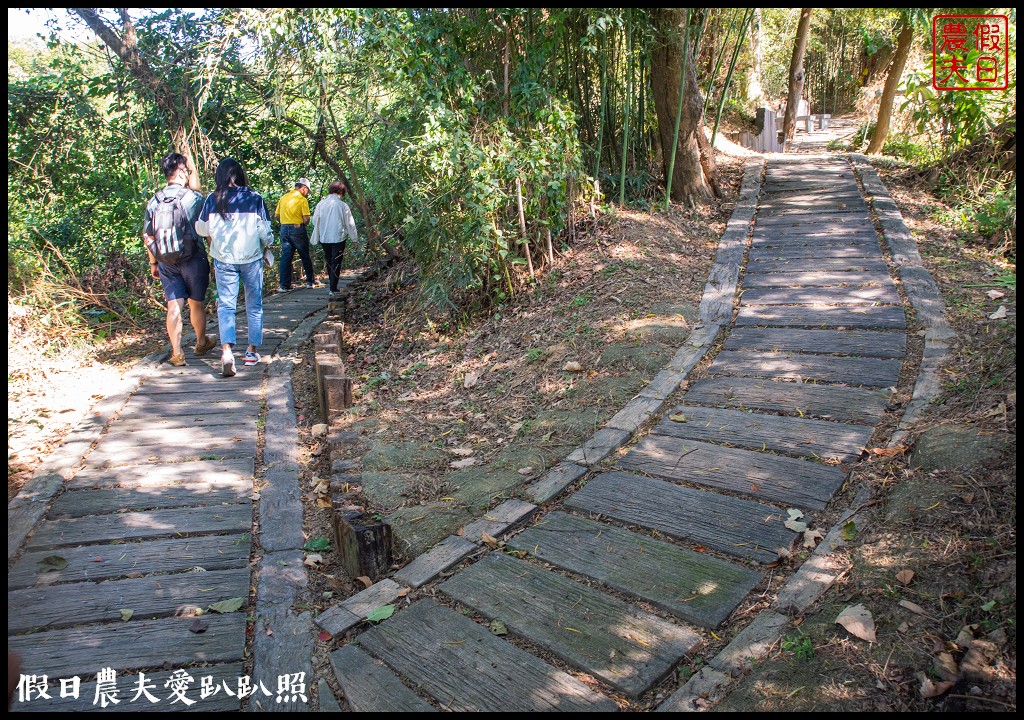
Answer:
x=293 y=212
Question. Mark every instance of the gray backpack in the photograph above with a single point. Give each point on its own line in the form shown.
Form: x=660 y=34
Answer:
x=174 y=239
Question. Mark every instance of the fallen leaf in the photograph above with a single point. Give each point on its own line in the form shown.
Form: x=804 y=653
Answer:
x=488 y=540
x=573 y=366
x=754 y=488
x=319 y=430
x=461 y=452
x=198 y=626
x=944 y=666
x=52 y=563
x=998 y=314
x=525 y=471
x=894 y=451
x=811 y=538
x=858 y=621
x=794 y=514
x=325 y=636
x=367 y=582
x=998 y=411
x=700 y=549
x=679 y=418
x=471 y=379
x=913 y=607
x=228 y=606
x=461 y=532
x=468 y=462
x=126 y=614
x=403 y=592
x=324 y=503
x=795 y=525
x=995 y=294
x=382 y=613
x=313 y=559
x=905 y=576
x=931 y=689
x=321 y=486
x=849 y=531
x=498 y=627
x=784 y=553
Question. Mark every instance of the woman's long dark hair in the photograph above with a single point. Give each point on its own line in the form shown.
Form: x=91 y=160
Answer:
x=229 y=172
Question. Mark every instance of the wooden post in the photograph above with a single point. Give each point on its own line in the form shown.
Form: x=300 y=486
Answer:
x=326 y=365
x=337 y=393
x=364 y=544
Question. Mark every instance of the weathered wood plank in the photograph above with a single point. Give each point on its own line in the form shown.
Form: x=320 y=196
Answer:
x=85 y=702
x=156 y=523
x=207 y=394
x=79 y=503
x=126 y=454
x=815 y=278
x=864 y=343
x=234 y=419
x=851 y=192
x=743 y=528
x=626 y=647
x=696 y=587
x=130 y=645
x=211 y=472
x=818 y=264
x=793 y=436
x=836 y=211
x=193 y=436
x=466 y=668
x=803 y=252
x=101 y=562
x=867 y=372
x=370 y=687
x=857 y=220
x=821 y=296
x=55 y=606
x=760 y=475
x=853 y=316
x=244 y=409
x=829 y=402
x=792 y=239
x=445 y=555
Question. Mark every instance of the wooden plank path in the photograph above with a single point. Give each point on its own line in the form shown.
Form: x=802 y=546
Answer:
x=157 y=526
x=622 y=579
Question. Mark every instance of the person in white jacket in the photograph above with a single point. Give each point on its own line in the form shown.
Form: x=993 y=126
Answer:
x=236 y=220
x=333 y=224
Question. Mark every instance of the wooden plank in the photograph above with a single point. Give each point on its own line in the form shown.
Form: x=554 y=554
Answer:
x=743 y=528
x=858 y=220
x=200 y=378
x=829 y=402
x=55 y=606
x=466 y=668
x=760 y=475
x=79 y=503
x=839 y=212
x=818 y=264
x=445 y=555
x=851 y=192
x=789 y=238
x=370 y=687
x=156 y=523
x=193 y=408
x=101 y=562
x=851 y=316
x=804 y=252
x=235 y=419
x=209 y=472
x=192 y=435
x=626 y=647
x=127 y=684
x=867 y=372
x=815 y=278
x=793 y=436
x=886 y=295
x=130 y=645
x=865 y=343
x=696 y=587
x=104 y=457
x=207 y=395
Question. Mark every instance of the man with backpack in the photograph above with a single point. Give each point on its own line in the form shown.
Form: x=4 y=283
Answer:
x=177 y=256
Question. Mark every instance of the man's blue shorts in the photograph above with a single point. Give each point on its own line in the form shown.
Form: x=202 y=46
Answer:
x=187 y=280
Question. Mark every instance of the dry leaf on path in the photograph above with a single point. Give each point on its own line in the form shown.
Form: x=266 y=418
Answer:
x=995 y=294
x=913 y=607
x=998 y=314
x=367 y=582
x=811 y=538
x=126 y=614
x=931 y=689
x=573 y=366
x=468 y=462
x=313 y=559
x=905 y=576
x=471 y=379
x=488 y=540
x=461 y=452
x=795 y=525
x=525 y=471
x=894 y=451
x=858 y=621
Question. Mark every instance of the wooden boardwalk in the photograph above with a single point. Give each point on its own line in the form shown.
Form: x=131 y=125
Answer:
x=624 y=578
x=156 y=526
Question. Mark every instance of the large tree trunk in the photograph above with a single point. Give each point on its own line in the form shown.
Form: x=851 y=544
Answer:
x=796 y=73
x=755 y=92
x=126 y=46
x=892 y=81
x=695 y=176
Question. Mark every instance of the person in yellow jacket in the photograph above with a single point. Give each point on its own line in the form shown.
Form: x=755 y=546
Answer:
x=293 y=212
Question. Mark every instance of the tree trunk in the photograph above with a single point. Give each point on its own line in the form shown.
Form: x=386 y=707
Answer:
x=695 y=173
x=126 y=47
x=796 y=73
x=755 y=91
x=892 y=81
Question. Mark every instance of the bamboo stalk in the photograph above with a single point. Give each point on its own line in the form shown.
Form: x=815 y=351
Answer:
x=728 y=77
x=600 y=125
x=625 y=130
x=718 y=62
x=522 y=225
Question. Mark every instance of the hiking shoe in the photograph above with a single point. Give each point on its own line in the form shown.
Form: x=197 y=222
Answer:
x=228 y=360
x=177 y=360
x=251 y=358
x=206 y=344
